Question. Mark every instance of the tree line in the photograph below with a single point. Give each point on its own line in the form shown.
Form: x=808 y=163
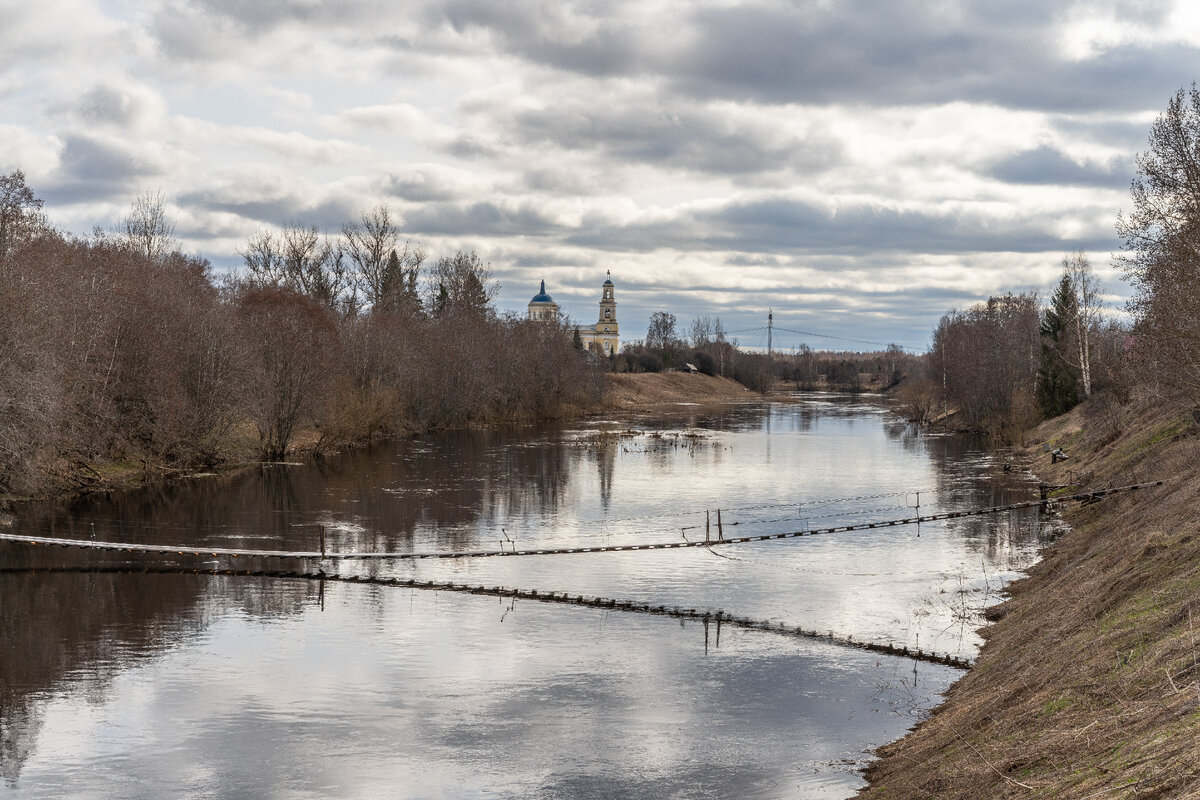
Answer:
x=119 y=348
x=1003 y=365
x=705 y=346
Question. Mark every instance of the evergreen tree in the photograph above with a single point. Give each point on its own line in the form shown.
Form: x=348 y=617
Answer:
x=398 y=291
x=474 y=298
x=1058 y=379
x=576 y=339
x=391 y=281
x=442 y=301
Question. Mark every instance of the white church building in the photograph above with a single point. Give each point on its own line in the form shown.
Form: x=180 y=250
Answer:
x=603 y=336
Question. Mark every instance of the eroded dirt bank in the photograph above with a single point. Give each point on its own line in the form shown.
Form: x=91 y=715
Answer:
x=1089 y=682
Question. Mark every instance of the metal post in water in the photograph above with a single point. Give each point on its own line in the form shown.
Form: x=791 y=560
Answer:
x=720 y=530
x=918 y=515
x=707 y=524
x=322 y=530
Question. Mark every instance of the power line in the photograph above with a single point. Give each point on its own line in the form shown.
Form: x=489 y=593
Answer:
x=818 y=335
x=840 y=338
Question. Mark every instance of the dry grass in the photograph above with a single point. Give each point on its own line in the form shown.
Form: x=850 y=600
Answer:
x=1089 y=685
x=651 y=391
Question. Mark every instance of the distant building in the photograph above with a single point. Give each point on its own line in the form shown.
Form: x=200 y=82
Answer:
x=603 y=336
x=542 y=306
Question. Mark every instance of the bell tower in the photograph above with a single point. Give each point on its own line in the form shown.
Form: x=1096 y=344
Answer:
x=607 y=331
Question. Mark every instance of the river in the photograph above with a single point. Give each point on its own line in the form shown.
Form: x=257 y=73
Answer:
x=121 y=683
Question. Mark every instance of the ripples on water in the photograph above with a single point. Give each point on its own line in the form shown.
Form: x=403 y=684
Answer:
x=143 y=685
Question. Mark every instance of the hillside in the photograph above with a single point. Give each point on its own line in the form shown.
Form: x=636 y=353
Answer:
x=650 y=391
x=1089 y=682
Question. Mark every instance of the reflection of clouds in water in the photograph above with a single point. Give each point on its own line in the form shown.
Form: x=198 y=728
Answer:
x=442 y=681
x=559 y=703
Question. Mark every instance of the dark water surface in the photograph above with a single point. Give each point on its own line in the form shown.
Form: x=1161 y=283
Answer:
x=193 y=685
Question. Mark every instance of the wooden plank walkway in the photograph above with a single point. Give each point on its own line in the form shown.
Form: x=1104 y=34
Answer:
x=131 y=547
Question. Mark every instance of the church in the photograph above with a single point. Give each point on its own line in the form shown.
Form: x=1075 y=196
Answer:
x=603 y=336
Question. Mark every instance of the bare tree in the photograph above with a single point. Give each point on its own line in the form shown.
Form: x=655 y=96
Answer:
x=368 y=244
x=1161 y=256
x=20 y=210
x=386 y=278
x=1086 y=288
x=314 y=265
x=263 y=258
x=304 y=261
x=30 y=389
x=461 y=285
x=987 y=359
x=147 y=228
x=661 y=333
x=293 y=342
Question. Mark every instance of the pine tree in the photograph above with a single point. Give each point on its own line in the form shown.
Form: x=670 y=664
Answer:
x=1058 y=379
x=442 y=302
x=576 y=339
x=474 y=298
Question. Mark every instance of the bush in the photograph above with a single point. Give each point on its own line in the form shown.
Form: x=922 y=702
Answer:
x=648 y=362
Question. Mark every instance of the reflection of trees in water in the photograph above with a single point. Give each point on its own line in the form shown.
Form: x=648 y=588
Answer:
x=370 y=498
x=911 y=437
x=968 y=474
x=460 y=481
x=606 y=462
x=82 y=629
x=59 y=624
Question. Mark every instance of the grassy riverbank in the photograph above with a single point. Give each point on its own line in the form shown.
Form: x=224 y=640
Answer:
x=655 y=391
x=1089 y=682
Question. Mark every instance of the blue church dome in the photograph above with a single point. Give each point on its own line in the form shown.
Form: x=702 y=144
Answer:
x=542 y=297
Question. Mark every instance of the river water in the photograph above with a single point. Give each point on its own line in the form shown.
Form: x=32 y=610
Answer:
x=119 y=683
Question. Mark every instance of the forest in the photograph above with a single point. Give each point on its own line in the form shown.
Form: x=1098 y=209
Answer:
x=119 y=351
x=117 y=348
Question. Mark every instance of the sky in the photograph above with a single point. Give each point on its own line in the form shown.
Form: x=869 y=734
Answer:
x=859 y=168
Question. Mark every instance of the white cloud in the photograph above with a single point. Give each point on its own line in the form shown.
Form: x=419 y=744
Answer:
x=725 y=152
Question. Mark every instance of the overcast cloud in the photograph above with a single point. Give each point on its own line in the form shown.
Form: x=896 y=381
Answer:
x=860 y=167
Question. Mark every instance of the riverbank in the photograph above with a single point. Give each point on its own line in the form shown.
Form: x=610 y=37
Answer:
x=657 y=391
x=68 y=477
x=1088 y=684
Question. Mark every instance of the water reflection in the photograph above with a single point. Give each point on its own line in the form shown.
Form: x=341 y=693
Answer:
x=427 y=694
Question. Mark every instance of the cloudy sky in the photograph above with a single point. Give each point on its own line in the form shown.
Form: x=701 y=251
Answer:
x=859 y=167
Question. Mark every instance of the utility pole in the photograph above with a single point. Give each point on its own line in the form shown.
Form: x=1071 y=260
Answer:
x=770 y=330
